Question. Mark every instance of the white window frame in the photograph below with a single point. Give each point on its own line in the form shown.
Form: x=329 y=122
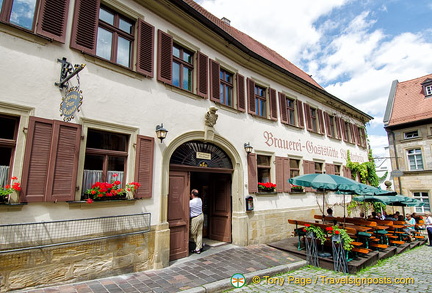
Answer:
x=411 y=134
x=415 y=153
x=421 y=196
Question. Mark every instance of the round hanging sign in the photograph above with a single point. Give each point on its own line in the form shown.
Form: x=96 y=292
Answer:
x=71 y=103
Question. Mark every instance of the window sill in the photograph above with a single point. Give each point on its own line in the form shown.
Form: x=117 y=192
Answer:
x=98 y=202
x=12 y=204
x=266 y=193
x=296 y=191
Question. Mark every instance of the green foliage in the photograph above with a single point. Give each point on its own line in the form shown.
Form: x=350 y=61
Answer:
x=383 y=177
x=366 y=170
x=345 y=238
x=319 y=233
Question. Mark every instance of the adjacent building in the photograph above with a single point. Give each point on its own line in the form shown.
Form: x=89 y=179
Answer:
x=408 y=122
x=85 y=84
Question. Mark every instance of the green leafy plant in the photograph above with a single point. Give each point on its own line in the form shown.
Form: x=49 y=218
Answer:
x=345 y=238
x=296 y=187
x=6 y=190
x=318 y=232
x=106 y=190
x=268 y=186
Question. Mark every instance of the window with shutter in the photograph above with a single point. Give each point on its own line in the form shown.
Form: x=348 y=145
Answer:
x=51 y=16
x=50 y=161
x=273 y=104
x=111 y=35
x=241 y=93
x=321 y=122
x=165 y=57
x=226 y=87
x=300 y=116
x=258 y=102
x=215 y=86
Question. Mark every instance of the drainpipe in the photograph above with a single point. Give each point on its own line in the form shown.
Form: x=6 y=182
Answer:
x=397 y=160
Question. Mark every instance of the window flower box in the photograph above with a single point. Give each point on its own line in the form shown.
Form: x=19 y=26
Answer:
x=266 y=187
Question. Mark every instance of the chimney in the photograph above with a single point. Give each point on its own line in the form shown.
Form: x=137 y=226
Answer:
x=226 y=20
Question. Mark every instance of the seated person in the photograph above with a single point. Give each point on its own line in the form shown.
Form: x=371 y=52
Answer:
x=410 y=225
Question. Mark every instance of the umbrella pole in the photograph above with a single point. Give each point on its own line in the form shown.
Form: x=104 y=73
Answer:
x=344 y=206
x=323 y=209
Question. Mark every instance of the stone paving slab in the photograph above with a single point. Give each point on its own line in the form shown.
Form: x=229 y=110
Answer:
x=208 y=272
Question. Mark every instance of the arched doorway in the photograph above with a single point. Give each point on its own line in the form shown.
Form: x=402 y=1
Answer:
x=206 y=167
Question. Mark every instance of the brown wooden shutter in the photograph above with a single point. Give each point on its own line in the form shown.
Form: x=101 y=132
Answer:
x=36 y=160
x=343 y=130
x=321 y=121
x=214 y=81
x=283 y=108
x=338 y=128
x=84 y=28
x=330 y=169
x=252 y=173
x=144 y=166
x=251 y=96
x=308 y=117
x=241 y=105
x=273 y=104
x=50 y=161
x=308 y=168
x=357 y=135
x=353 y=133
x=165 y=45
x=53 y=19
x=203 y=71
x=300 y=116
x=327 y=124
x=62 y=175
x=145 y=40
x=282 y=174
x=347 y=172
x=363 y=135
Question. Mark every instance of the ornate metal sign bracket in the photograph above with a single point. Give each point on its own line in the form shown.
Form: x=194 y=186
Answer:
x=67 y=72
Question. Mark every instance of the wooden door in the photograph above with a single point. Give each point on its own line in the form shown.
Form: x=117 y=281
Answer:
x=178 y=214
x=220 y=207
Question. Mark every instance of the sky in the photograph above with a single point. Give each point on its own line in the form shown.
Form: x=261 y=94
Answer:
x=355 y=49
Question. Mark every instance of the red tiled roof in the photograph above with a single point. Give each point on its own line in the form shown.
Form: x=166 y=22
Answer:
x=410 y=103
x=253 y=44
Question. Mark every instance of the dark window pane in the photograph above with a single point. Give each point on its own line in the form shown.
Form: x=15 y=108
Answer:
x=106 y=140
x=93 y=162
x=7 y=127
x=125 y=26
x=116 y=164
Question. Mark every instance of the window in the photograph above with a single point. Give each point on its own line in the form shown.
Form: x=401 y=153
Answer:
x=337 y=170
x=263 y=168
x=415 y=159
x=51 y=15
x=260 y=101
x=226 y=88
x=423 y=197
x=347 y=131
x=182 y=68
x=318 y=167
x=106 y=155
x=411 y=134
x=331 y=126
x=8 y=136
x=294 y=167
x=115 y=37
x=428 y=90
x=177 y=65
x=290 y=111
x=314 y=119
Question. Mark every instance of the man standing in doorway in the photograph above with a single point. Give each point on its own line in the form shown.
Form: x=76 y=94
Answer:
x=196 y=219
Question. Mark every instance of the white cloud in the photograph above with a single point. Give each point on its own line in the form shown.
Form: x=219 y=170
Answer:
x=349 y=53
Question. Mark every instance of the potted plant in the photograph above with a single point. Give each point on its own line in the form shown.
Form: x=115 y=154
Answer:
x=317 y=231
x=266 y=187
x=296 y=188
x=6 y=191
x=101 y=191
x=340 y=235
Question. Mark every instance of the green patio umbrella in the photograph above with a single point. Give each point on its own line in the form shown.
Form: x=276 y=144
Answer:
x=325 y=182
x=371 y=190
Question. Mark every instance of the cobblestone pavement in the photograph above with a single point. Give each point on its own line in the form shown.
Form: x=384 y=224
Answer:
x=410 y=271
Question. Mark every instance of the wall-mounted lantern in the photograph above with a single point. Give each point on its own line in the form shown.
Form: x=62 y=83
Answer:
x=248 y=148
x=161 y=132
x=249 y=203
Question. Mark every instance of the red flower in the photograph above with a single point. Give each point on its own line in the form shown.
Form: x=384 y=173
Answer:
x=337 y=232
x=89 y=200
x=329 y=228
x=115 y=175
x=304 y=230
x=14 y=178
x=307 y=225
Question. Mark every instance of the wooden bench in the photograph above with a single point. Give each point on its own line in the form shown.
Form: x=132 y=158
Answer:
x=379 y=246
x=360 y=250
x=397 y=242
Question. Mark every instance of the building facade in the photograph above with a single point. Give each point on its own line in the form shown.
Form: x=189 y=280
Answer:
x=166 y=64
x=408 y=124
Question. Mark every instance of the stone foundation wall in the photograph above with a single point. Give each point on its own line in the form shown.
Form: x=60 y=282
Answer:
x=272 y=225
x=78 y=262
